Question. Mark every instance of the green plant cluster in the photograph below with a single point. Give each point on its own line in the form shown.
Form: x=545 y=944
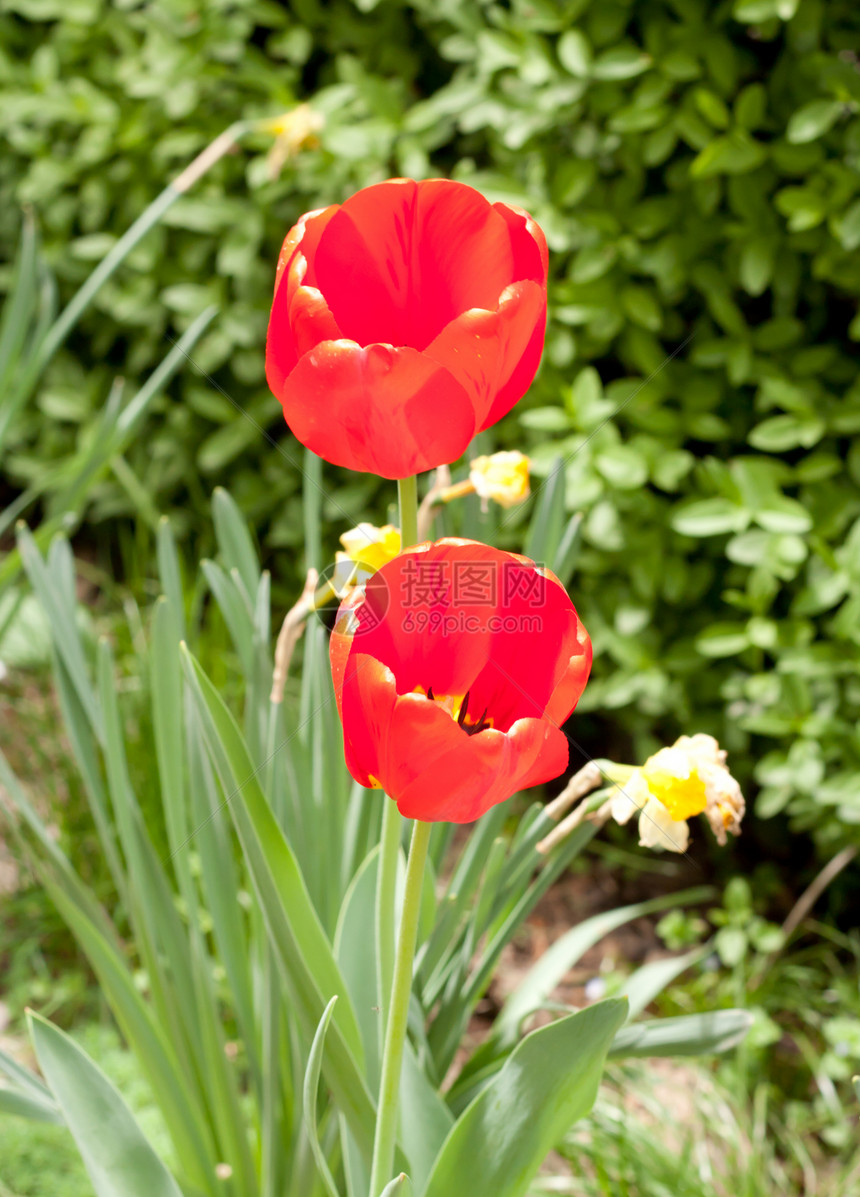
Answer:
x=696 y=167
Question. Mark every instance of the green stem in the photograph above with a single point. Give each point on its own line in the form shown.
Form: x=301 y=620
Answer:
x=407 y=495
x=389 y=851
x=386 y=888
x=395 y=1031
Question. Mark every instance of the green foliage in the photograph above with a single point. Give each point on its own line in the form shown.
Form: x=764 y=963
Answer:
x=120 y=1161
x=220 y=960
x=697 y=170
x=802 y=1047
x=42 y=1161
x=688 y=1134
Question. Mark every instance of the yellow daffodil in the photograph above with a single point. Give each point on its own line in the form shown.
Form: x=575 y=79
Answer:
x=366 y=549
x=673 y=785
x=293 y=131
x=370 y=546
x=502 y=477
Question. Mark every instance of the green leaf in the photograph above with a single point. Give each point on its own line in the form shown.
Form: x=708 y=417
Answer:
x=779 y=513
x=712 y=107
x=545 y=419
x=687 y=1035
x=24 y=1105
x=642 y=308
x=309 y=1098
x=788 y=431
x=723 y=640
x=564 y=561
x=812 y=121
x=547 y=524
x=356 y=957
x=574 y=53
x=549 y=1081
x=731 y=945
x=425 y=1119
x=24 y=1080
x=25 y=633
x=399 y=1187
x=710 y=517
x=735 y=153
x=848 y=227
x=234 y=541
x=804 y=207
x=88 y=923
x=755 y=11
x=621 y=62
x=296 y=933
x=117 y=1156
x=756 y=265
x=593 y=261
x=648 y=981
x=622 y=466
x=62 y=619
x=539 y=982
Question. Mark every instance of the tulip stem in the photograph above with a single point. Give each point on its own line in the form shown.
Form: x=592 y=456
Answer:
x=407 y=494
x=398 y=1014
x=386 y=889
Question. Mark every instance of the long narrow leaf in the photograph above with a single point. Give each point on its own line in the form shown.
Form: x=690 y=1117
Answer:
x=311 y=1086
x=550 y=1080
x=118 y=1158
x=687 y=1035
x=303 y=950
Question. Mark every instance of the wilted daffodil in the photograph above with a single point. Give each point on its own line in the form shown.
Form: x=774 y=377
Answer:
x=293 y=131
x=673 y=785
x=502 y=477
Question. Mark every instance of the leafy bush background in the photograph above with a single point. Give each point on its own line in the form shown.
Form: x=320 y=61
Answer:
x=696 y=166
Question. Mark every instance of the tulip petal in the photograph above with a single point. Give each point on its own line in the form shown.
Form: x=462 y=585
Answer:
x=451 y=776
x=569 y=687
x=402 y=259
x=422 y=624
x=530 y=655
x=301 y=241
x=528 y=244
x=457 y=778
x=388 y=411
x=311 y=320
x=368 y=699
x=541 y=749
x=485 y=350
x=521 y=376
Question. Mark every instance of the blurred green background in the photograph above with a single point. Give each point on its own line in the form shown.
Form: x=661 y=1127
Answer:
x=696 y=168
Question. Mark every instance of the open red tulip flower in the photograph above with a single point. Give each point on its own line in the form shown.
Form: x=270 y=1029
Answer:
x=405 y=320
x=454 y=669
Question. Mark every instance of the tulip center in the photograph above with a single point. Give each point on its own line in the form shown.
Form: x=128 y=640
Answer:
x=457 y=706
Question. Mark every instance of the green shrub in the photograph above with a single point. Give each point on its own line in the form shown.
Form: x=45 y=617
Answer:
x=695 y=167
x=698 y=172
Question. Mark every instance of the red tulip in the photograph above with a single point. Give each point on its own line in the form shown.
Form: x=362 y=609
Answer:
x=453 y=672
x=404 y=321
